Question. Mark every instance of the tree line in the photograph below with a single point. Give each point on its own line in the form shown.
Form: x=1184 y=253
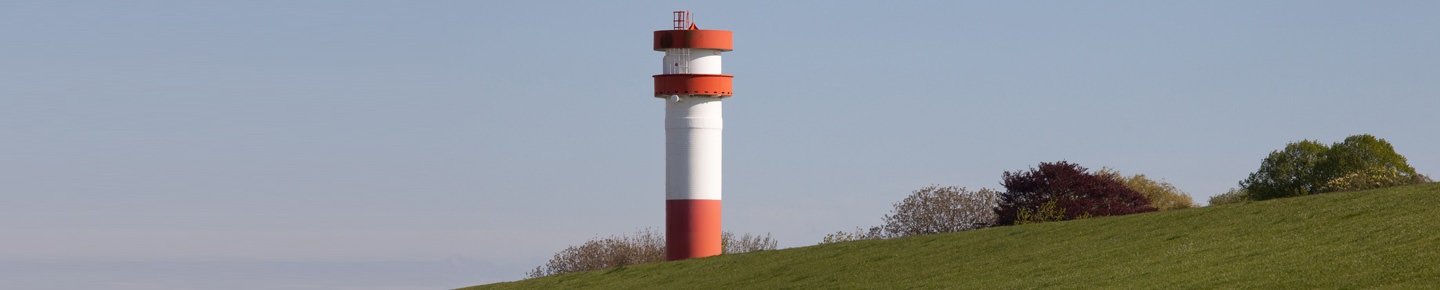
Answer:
x=1066 y=191
x=1049 y=192
x=1306 y=167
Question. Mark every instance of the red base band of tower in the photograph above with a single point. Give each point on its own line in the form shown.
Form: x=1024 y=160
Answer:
x=692 y=228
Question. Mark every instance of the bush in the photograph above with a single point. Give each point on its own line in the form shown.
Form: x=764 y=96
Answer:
x=930 y=210
x=746 y=243
x=1372 y=178
x=1162 y=195
x=1235 y=195
x=874 y=233
x=936 y=209
x=644 y=246
x=1075 y=192
x=1046 y=213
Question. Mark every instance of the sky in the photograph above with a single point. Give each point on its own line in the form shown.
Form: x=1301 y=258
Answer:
x=397 y=145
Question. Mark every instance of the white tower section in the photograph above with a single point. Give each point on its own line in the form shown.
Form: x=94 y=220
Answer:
x=693 y=126
x=692 y=147
x=691 y=61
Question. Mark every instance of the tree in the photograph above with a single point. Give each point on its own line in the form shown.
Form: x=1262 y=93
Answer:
x=1163 y=195
x=1075 y=192
x=644 y=246
x=1362 y=152
x=935 y=209
x=1289 y=172
x=1308 y=167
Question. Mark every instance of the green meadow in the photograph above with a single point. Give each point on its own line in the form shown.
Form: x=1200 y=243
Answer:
x=1386 y=238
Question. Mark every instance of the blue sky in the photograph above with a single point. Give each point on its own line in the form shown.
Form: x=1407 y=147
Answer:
x=422 y=145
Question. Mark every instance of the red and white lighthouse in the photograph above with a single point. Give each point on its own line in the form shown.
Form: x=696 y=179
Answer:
x=692 y=87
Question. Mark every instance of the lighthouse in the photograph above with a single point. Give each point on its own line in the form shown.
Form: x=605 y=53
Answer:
x=692 y=86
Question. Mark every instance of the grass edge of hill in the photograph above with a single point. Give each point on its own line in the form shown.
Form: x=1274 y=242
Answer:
x=1354 y=239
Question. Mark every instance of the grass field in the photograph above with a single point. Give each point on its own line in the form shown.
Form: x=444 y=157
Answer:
x=1387 y=238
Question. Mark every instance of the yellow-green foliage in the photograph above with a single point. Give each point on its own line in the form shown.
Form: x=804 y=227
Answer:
x=1372 y=178
x=1235 y=195
x=1163 y=195
x=1046 y=213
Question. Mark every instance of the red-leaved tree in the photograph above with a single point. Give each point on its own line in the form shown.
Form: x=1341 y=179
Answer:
x=1076 y=192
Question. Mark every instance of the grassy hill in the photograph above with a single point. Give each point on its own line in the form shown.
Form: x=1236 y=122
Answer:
x=1388 y=238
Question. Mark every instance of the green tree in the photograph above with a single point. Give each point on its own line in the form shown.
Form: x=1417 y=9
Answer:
x=1362 y=152
x=1288 y=172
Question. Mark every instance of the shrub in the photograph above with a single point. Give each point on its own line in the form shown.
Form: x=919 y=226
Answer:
x=1372 y=178
x=644 y=246
x=935 y=209
x=1046 y=213
x=930 y=210
x=1073 y=190
x=859 y=234
x=746 y=243
x=1235 y=195
x=1162 y=195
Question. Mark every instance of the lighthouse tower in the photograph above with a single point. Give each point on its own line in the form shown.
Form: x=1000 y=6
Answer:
x=692 y=87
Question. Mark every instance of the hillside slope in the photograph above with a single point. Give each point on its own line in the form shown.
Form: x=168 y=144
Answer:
x=1386 y=238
